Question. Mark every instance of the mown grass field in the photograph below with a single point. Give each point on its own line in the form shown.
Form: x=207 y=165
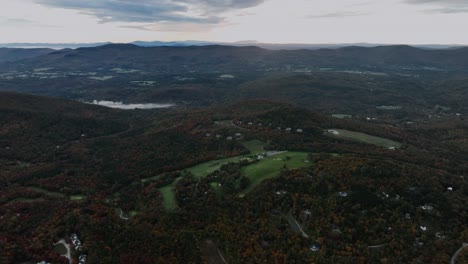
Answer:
x=206 y=168
x=365 y=138
x=267 y=168
x=77 y=197
x=168 y=195
x=341 y=116
x=270 y=167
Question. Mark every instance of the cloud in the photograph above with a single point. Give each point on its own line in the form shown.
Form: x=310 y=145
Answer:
x=339 y=14
x=443 y=6
x=154 y=11
x=21 y=22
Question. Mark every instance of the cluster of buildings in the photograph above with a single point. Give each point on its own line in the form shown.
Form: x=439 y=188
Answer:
x=236 y=136
x=76 y=242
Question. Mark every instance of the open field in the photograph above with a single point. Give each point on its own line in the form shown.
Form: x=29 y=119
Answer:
x=168 y=195
x=364 y=138
x=206 y=168
x=266 y=168
x=341 y=116
x=47 y=192
x=77 y=197
x=270 y=167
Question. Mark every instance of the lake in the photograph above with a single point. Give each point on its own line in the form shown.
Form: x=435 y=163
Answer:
x=121 y=105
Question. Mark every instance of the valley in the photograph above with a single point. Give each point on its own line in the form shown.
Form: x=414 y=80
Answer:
x=221 y=154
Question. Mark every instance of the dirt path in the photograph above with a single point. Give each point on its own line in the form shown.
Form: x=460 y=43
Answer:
x=212 y=253
x=121 y=215
x=454 y=257
x=294 y=222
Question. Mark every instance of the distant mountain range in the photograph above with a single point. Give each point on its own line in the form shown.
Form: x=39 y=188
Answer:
x=272 y=46
x=171 y=59
x=14 y=54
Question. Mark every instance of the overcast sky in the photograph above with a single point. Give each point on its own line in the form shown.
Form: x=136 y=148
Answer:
x=273 y=21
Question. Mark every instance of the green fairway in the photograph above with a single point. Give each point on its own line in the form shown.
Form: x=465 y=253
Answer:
x=341 y=116
x=270 y=167
x=77 y=197
x=168 y=195
x=206 y=168
x=364 y=138
x=266 y=168
x=132 y=213
x=47 y=192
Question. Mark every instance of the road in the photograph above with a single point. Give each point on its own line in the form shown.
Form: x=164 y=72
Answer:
x=454 y=257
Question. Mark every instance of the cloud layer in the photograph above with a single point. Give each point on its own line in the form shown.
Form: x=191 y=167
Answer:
x=443 y=6
x=153 y=11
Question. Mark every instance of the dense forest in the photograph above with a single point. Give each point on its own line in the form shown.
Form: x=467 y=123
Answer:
x=255 y=181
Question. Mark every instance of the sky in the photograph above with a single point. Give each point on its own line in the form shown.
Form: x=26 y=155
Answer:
x=267 y=21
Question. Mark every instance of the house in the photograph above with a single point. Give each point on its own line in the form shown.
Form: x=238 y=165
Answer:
x=238 y=135
x=250 y=123
x=208 y=134
x=299 y=130
x=218 y=135
x=440 y=235
x=82 y=259
x=427 y=207
x=288 y=129
x=315 y=247
x=450 y=188
x=76 y=242
x=229 y=138
x=306 y=215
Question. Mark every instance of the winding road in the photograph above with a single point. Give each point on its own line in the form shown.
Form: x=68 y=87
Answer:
x=454 y=257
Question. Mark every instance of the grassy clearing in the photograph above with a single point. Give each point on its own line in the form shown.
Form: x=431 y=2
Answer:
x=77 y=197
x=168 y=195
x=151 y=178
x=341 y=116
x=46 y=192
x=206 y=168
x=132 y=213
x=364 y=138
x=270 y=167
x=25 y=200
x=266 y=168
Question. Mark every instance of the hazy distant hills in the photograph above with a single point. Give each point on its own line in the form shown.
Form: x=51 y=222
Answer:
x=349 y=79
x=12 y=54
x=244 y=59
x=272 y=46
